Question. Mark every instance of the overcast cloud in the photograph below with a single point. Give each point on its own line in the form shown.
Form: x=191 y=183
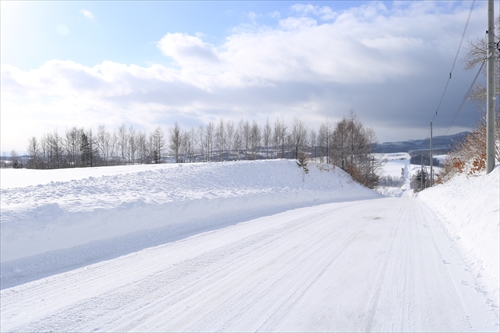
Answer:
x=390 y=66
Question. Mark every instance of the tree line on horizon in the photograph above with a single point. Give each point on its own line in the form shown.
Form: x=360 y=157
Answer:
x=347 y=144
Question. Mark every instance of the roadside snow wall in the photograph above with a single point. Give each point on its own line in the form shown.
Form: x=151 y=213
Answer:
x=55 y=226
x=469 y=209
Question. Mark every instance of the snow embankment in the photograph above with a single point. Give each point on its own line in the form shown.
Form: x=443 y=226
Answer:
x=469 y=209
x=57 y=225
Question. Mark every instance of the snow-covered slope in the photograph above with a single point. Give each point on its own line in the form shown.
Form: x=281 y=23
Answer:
x=68 y=218
x=469 y=210
x=243 y=246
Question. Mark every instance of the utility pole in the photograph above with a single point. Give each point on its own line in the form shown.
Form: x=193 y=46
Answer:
x=431 y=183
x=490 y=91
x=421 y=172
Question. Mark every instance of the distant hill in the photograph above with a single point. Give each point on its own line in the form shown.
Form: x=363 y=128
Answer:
x=442 y=144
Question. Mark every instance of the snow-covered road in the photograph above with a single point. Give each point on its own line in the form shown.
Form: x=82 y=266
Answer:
x=371 y=265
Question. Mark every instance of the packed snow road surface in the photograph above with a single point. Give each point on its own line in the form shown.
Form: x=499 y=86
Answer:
x=371 y=265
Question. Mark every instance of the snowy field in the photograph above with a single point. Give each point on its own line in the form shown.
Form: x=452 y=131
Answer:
x=244 y=246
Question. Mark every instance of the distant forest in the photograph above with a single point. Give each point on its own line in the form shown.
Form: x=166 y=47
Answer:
x=346 y=144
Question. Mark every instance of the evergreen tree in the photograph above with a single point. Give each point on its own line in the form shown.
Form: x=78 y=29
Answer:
x=302 y=162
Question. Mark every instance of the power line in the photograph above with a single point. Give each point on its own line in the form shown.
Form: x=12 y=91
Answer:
x=455 y=60
x=464 y=99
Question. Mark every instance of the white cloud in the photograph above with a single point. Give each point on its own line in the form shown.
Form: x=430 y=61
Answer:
x=275 y=14
x=324 y=13
x=294 y=23
x=88 y=14
x=389 y=68
x=187 y=50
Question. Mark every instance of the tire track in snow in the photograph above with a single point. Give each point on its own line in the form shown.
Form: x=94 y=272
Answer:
x=374 y=300
x=98 y=306
x=283 y=272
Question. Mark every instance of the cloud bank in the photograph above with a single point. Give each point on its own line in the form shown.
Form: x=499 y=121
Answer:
x=389 y=65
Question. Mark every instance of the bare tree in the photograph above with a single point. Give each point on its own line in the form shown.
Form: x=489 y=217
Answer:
x=230 y=131
x=175 y=141
x=33 y=150
x=55 y=150
x=209 y=140
x=246 y=137
x=476 y=54
x=187 y=145
x=142 y=148
x=351 y=149
x=158 y=143
x=313 y=142
x=324 y=139
x=123 y=143
x=255 y=139
x=44 y=149
x=132 y=145
x=200 y=134
x=280 y=135
x=104 y=144
x=238 y=139
x=72 y=143
x=115 y=149
x=266 y=137
x=14 y=159
x=298 y=136
x=221 y=139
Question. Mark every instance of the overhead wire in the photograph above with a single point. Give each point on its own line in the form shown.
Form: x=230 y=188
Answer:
x=454 y=61
x=464 y=99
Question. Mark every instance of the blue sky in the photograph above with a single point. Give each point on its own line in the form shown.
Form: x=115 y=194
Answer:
x=145 y=64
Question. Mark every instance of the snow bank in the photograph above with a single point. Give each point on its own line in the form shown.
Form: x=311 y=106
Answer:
x=68 y=218
x=469 y=208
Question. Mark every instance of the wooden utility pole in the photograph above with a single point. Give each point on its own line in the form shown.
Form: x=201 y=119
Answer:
x=431 y=182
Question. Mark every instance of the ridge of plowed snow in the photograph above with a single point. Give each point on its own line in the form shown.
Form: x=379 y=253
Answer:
x=54 y=226
x=469 y=209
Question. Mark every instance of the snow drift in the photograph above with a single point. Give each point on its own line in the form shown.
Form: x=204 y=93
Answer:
x=52 y=226
x=469 y=210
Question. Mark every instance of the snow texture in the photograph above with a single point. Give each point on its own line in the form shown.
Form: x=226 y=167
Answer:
x=469 y=210
x=245 y=246
x=67 y=218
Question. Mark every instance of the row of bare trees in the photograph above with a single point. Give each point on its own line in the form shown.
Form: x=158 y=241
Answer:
x=88 y=148
x=347 y=145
